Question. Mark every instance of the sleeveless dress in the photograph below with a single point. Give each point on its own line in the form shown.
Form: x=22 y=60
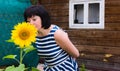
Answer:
x=56 y=59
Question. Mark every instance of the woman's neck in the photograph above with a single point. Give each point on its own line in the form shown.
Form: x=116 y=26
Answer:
x=44 y=32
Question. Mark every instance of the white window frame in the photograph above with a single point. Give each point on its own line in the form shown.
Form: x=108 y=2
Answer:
x=85 y=24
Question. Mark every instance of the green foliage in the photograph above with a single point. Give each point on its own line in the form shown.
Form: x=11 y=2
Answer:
x=1 y=69
x=21 y=67
x=83 y=68
x=9 y=57
x=29 y=49
x=10 y=40
x=34 y=69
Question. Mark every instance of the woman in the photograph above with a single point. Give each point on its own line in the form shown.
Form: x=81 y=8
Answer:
x=52 y=43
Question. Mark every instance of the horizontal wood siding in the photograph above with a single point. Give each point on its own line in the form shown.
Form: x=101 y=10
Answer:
x=93 y=44
x=59 y=11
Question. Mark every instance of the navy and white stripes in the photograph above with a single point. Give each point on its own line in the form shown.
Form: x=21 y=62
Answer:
x=56 y=59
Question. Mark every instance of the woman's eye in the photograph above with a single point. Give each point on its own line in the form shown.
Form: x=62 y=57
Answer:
x=34 y=19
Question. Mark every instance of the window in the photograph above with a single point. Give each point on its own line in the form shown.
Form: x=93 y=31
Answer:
x=86 y=14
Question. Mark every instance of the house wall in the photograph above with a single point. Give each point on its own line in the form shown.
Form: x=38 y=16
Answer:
x=93 y=44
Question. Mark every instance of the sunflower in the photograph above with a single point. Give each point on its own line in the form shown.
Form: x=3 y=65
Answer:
x=24 y=34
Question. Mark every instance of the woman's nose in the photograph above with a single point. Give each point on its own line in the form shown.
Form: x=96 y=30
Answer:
x=31 y=22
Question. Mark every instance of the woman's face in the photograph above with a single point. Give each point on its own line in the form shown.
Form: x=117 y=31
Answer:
x=36 y=21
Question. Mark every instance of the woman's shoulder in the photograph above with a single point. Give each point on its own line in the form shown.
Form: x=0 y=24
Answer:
x=55 y=26
x=60 y=34
x=58 y=30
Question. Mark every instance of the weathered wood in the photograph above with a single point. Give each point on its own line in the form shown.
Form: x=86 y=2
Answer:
x=112 y=18
x=94 y=34
x=112 y=11
x=95 y=41
x=58 y=19
x=95 y=65
x=99 y=49
x=113 y=27
x=61 y=6
x=59 y=13
x=54 y=1
x=112 y=3
x=100 y=57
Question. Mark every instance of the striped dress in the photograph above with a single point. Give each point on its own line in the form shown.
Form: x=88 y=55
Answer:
x=56 y=59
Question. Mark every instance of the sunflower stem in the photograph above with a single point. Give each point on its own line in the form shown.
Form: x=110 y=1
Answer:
x=17 y=60
x=21 y=57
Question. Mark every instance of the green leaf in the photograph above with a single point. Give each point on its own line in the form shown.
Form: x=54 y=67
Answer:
x=1 y=69
x=83 y=68
x=21 y=67
x=29 y=49
x=9 y=57
x=10 y=68
x=10 y=40
x=34 y=69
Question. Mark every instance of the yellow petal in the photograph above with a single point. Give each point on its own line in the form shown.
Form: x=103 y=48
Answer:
x=24 y=34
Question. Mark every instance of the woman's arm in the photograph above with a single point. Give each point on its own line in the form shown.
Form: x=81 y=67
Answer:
x=63 y=40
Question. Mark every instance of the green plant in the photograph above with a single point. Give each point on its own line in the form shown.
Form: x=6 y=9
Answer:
x=23 y=35
x=21 y=66
x=83 y=68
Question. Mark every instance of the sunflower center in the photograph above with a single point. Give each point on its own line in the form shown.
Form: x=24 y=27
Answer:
x=24 y=35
